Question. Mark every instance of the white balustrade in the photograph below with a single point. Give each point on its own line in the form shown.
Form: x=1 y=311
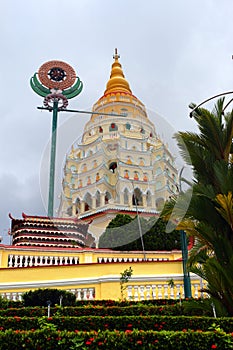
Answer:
x=140 y=292
x=40 y=260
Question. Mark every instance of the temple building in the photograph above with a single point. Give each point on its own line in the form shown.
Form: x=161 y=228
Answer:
x=120 y=165
x=39 y=231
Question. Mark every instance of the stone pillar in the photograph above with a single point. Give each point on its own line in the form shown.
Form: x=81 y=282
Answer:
x=82 y=207
x=121 y=198
x=144 y=203
x=73 y=209
x=93 y=203
x=102 y=199
x=130 y=199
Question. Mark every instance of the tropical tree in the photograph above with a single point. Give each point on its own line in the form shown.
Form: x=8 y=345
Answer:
x=122 y=233
x=209 y=217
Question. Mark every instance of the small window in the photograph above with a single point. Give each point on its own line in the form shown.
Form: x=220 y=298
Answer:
x=73 y=168
x=142 y=131
x=113 y=127
x=112 y=167
x=127 y=126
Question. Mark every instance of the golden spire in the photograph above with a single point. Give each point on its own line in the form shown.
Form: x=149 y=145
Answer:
x=117 y=81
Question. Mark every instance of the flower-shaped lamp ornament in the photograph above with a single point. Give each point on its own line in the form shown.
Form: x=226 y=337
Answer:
x=57 y=82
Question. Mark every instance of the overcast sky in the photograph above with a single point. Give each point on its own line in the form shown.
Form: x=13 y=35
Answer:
x=172 y=53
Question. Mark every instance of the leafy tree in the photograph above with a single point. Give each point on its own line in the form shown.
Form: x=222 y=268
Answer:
x=122 y=233
x=209 y=217
x=40 y=297
x=125 y=277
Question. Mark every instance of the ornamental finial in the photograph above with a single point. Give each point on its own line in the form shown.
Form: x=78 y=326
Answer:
x=116 y=55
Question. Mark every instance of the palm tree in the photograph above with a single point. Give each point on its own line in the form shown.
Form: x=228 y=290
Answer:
x=209 y=217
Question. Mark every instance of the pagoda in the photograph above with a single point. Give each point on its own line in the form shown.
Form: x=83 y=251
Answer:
x=121 y=165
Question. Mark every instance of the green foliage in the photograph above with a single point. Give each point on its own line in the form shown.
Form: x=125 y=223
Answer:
x=5 y=303
x=120 y=323
x=209 y=217
x=108 y=340
x=135 y=326
x=122 y=233
x=41 y=297
x=125 y=277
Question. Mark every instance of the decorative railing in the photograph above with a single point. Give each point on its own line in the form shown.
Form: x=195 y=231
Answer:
x=161 y=291
x=40 y=260
x=80 y=293
x=103 y=260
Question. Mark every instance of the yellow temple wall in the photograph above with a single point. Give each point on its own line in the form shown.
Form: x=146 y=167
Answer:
x=99 y=280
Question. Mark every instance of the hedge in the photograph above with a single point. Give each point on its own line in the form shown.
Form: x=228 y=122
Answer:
x=96 y=311
x=121 y=323
x=136 y=339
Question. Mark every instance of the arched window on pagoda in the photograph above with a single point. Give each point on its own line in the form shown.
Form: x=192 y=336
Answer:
x=100 y=129
x=137 y=197
x=87 y=201
x=142 y=131
x=145 y=177
x=141 y=161
x=73 y=169
x=107 y=197
x=113 y=127
x=126 y=174
x=112 y=167
x=97 y=196
x=84 y=168
x=128 y=126
x=129 y=160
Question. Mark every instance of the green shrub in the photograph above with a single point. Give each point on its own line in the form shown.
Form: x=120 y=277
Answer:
x=136 y=339
x=120 y=323
x=97 y=311
x=41 y=297
x=5 y=303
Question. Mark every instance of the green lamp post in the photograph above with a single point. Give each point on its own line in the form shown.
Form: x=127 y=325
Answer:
x=57 y=82
x=186 y=277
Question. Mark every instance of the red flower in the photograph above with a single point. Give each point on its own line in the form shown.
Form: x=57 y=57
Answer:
x=214 y=346
x=128 y=331
x=130 y=325
x=139 y=342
